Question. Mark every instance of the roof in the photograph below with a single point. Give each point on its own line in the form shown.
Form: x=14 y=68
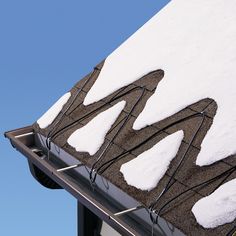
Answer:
x=192 y=93
x=178 y=213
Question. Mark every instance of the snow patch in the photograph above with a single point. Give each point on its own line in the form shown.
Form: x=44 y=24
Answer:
x=147 y=169
x=218 y=208
x=194 y=43
x=48 y=117
x=91 y=137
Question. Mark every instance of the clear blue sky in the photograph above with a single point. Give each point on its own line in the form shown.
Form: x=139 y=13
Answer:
x=45 y=47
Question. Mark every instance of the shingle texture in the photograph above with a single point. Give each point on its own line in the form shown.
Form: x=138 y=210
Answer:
x=179 y=211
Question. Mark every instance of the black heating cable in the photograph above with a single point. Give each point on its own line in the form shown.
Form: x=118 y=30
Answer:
x=168 y=185
x=219 y=176
x=124 y=120
x=108 y=163
x=48 y=138
x=101 y=169
x=232 y=232
x=54 y=135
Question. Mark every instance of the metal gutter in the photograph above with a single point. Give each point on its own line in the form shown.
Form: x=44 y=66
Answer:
x=102 y=205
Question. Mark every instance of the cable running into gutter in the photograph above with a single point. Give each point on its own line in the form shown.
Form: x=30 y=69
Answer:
x=101 y=169
x=116 y=134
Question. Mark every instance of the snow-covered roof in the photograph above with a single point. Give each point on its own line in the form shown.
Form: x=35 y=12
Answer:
x=166 y=97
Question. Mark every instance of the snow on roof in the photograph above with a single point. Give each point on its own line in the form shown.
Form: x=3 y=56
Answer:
x=90 y=137
x=48 y=117
x=147 y=169
x=194 y=43
x=218 y=208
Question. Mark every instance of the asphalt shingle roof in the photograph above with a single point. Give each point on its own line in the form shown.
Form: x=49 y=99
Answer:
x=179 y=212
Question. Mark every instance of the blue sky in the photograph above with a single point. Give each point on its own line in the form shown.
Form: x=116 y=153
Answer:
x=45 y=48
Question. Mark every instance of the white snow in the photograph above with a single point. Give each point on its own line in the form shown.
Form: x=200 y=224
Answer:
x=48 y=117
x=194 y=42
x=147 y=169
x=90 y=137
x=218 y=208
